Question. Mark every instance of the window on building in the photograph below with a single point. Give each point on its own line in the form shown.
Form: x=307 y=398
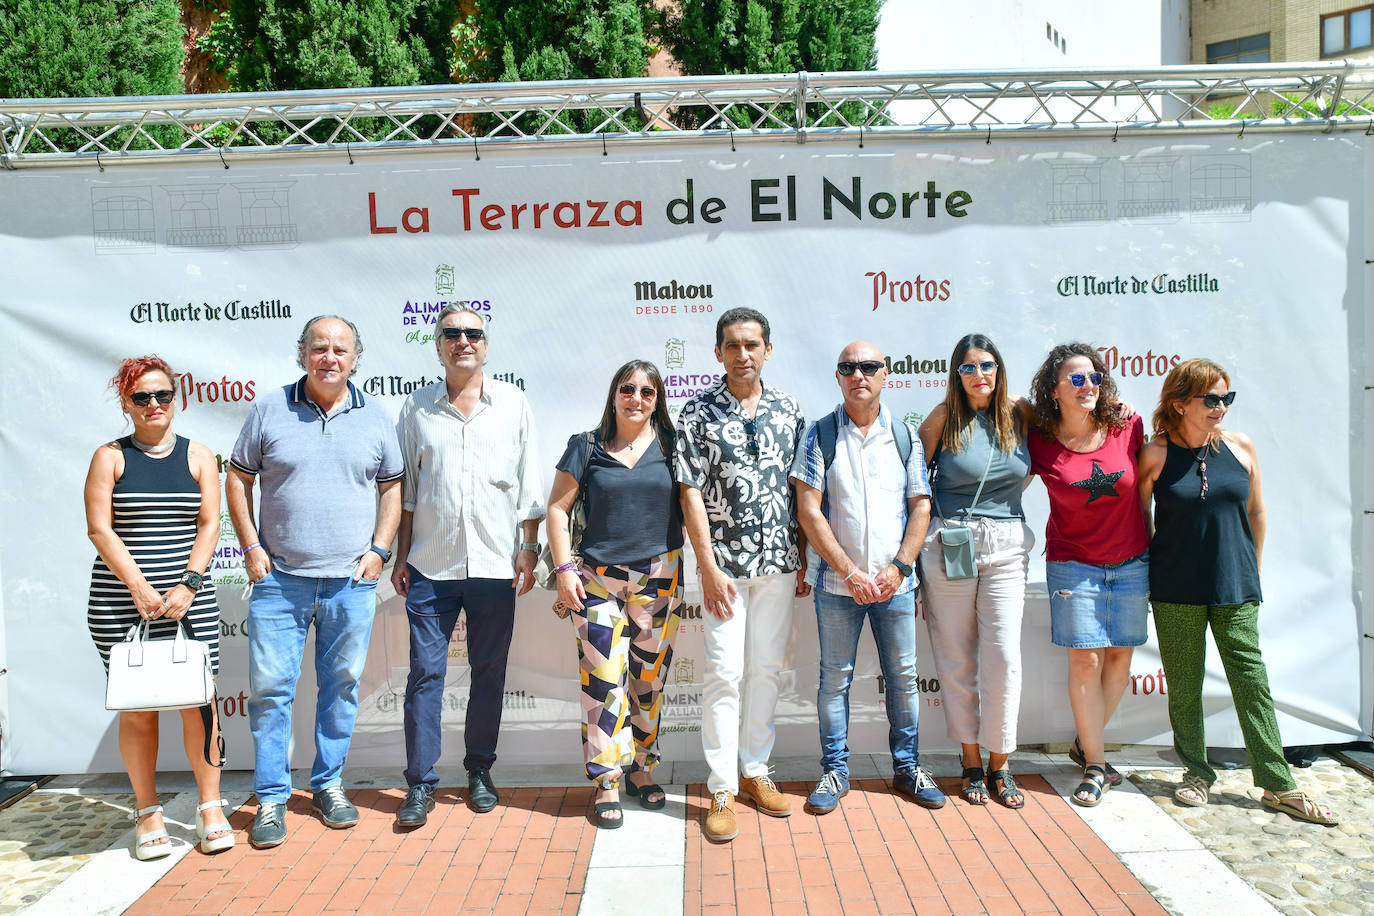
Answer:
x=1348 y=31
x=1251 y=50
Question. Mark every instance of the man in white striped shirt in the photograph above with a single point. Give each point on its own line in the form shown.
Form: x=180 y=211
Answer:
x=470 y=518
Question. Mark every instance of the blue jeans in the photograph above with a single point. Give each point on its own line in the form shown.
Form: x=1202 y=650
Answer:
x=280 y=613
x=432 y=607
x=840 y=620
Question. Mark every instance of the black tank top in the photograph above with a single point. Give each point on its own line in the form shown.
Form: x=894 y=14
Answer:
x=1203 y=551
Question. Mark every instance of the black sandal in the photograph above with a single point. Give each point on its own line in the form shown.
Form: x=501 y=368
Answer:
x=604 y=809
x=643 y=792
x=974 y=777
x=1094 y=784
x=1077 y=756
x=1009 y=788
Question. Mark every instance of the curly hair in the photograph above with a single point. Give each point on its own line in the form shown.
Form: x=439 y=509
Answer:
x=134 y=368
x=1108 y=413
x=1184 y=382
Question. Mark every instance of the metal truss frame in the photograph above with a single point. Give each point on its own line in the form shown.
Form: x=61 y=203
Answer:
x=857 y=107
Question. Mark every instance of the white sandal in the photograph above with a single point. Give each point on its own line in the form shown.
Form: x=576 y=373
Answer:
x=145 y=847
x=209 y=844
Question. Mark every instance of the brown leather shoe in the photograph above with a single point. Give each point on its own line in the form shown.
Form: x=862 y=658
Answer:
x=719 y=824
x=763 y=792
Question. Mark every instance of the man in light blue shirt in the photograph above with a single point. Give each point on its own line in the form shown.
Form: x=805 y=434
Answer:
x=314 y=552
x=863 y=500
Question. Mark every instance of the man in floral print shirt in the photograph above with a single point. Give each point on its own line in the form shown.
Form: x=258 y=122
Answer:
x=735 y=444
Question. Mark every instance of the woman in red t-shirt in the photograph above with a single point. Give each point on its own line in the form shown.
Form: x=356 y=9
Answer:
x=1097 y=562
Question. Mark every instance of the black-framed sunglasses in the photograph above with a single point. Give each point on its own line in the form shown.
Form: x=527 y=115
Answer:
x=866 y=366
x=646 y=392
x=987 y=366
x=1079 y=379
x=1213 y=401
x=144 y=398
x=474 y=335
x=751 y=431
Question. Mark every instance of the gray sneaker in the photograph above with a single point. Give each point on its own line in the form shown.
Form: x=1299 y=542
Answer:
x=334 y=807
x=269 y=827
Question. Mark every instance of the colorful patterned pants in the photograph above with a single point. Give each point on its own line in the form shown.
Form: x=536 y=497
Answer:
x=624 y=645
x=1182 y=631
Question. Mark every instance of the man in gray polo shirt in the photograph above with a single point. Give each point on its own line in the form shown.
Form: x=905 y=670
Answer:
x=473 y=501
x=314 y=553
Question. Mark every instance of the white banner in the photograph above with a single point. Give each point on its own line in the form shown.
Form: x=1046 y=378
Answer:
x=1249 y=252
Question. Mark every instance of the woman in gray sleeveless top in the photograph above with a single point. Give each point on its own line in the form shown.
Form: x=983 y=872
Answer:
x=977 y=446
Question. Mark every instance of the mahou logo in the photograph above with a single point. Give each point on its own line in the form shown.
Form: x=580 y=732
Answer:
x=213 y=390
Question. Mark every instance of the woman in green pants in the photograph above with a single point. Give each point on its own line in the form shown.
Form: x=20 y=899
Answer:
x=1205 y=572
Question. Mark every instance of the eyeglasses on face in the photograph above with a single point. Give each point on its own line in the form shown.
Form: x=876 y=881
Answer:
x=473 y=335
x=1079 y=379
x=1213 y=401
x=987 y=366
x=866 y=366
x=645 y=392
x=144 y=398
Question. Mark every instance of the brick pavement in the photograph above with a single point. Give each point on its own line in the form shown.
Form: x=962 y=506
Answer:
x=876 y=854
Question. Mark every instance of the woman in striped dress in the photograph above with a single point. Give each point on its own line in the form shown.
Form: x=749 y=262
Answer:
x=152 y=512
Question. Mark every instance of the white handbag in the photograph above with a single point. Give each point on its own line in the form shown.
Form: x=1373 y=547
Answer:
x=148 y=674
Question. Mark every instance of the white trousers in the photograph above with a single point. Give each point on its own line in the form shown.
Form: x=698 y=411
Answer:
x=740 y=691
x=975 y=631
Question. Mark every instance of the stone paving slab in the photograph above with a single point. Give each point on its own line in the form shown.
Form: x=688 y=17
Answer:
x=48 y=835
x=1302 y=869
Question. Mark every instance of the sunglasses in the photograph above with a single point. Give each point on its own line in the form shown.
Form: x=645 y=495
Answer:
x=1213 y=401
x=866 y=366
x=647 y=392
x=1079 y=379
x=473 y=335
x=987 y=366
x=751 y=431
x=144 y=398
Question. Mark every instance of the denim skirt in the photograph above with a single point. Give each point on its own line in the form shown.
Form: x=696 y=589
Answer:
x=1094 y=607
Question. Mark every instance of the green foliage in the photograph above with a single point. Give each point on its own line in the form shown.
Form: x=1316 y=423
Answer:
x=722 y=37
x=537 y=40
x=774 y=36
x=92 y=48
x=268 y=45
x=89 y=48
x=333 y=44
x=1289 y=106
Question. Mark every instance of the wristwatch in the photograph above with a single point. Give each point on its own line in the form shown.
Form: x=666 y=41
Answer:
x=192 y=580
x=903 y=568
x=381 y=552
x=534 y=547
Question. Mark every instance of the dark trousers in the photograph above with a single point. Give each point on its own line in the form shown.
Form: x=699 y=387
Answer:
x=432 y=607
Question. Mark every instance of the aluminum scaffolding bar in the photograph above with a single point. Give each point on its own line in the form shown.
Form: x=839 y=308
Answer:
x=800 y=107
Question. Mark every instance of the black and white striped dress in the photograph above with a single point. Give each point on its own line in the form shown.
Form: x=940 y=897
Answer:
x=156 y=501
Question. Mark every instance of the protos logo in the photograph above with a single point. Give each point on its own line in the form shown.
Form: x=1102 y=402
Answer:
x=919 y=288
x=214 y=390
x=1130 y=365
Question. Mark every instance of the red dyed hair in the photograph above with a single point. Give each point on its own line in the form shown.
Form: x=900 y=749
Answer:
x=131 y=370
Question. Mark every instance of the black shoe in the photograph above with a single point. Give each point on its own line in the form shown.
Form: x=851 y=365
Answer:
x=269 y=827
x=481 y=792
x=415 y=809
x=335 y=809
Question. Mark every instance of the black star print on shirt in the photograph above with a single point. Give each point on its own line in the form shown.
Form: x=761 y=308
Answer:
x=1100 y=483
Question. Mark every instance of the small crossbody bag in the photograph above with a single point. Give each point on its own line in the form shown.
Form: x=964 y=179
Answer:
x=956 y=544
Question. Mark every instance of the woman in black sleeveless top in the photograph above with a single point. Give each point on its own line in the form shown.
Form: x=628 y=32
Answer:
x=152 y=512
x=1205 y=572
